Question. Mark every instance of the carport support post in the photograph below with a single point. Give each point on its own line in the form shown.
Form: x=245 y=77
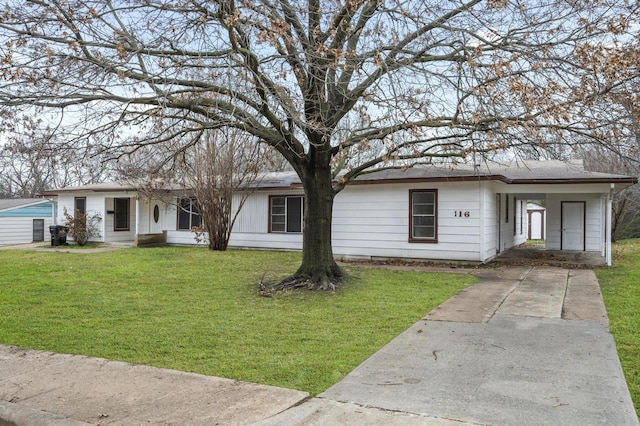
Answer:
x=608 y=225
x=137 y=231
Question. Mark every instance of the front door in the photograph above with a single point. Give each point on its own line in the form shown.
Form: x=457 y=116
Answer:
x=155 y=217
x=573 y=231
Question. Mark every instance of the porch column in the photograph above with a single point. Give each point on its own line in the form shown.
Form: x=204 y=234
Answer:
x=608 y=228
x=482 y=254
x=137 y=231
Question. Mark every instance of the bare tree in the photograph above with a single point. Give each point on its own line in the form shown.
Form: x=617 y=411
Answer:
x=222 y=167
x=33 y=158
x=337 y=87
x=623 y=106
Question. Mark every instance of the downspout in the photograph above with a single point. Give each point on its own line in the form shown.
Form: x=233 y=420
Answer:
x=608 y=235
x=54 y=211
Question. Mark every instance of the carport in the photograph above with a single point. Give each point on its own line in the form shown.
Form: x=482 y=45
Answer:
x=578 y=204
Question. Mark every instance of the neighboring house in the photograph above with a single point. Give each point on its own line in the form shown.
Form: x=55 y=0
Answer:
x=432 y=213
x=537 y=219
x=25 y=220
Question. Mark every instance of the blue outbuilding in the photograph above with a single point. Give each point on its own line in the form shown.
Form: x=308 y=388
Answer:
x=25 y=220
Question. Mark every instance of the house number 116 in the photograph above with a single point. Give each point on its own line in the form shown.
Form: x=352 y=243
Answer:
x=459 y=213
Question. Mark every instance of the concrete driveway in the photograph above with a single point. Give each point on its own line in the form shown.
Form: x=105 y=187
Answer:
x=524 y=346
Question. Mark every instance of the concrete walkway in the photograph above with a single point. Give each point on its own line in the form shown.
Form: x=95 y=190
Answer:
x=524 y=346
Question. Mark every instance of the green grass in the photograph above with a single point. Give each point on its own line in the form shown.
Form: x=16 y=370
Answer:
x=195 y=310
x=620 y=286
x=72 y=245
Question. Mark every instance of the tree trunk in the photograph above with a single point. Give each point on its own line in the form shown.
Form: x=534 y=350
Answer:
x=319 y=270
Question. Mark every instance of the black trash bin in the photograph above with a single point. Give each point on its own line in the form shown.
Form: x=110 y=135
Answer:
x=58 y=235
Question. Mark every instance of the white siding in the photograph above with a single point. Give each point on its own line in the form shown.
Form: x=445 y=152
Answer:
x=513 y=220
x=110 y=234
x=146 y=224
x=490 y=231
x=100 y=203
x=373 y=221
x=145 y=214
x=95 y=205
x=253 y=218
x=594 y=233
x=19 y=230
x=368 y=221
x=250 y=229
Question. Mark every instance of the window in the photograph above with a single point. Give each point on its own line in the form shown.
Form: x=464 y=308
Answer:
x=80 y=208
x=121 y=214
x=80 y=205
x=423 y=219
x=506 y=206
x=286 y=213
x=188 y=216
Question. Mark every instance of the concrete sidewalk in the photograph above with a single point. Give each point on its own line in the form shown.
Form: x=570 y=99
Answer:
x=524 y=346
x=99 y=391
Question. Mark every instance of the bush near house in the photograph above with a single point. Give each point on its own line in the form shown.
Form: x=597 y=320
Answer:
x=82 y=226
x=621 y=292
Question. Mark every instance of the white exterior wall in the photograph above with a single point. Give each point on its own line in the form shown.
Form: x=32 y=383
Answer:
x=145 y=214
x=513 y=221
x=173 y=235
x=373 y=221
x=95 y=205
x=594 y=220
x=490 y=231
x=146 y=223
x=251 y=228
x=100 y=203
x=19 y=230
x=368 y=221
x=109 y=233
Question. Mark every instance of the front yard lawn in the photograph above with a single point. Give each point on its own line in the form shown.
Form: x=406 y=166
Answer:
x=195 y=310
x=620 y=287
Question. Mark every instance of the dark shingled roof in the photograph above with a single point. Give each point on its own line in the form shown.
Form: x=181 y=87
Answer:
x=551 y=171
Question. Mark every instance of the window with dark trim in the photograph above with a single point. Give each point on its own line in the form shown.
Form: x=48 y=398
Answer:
x=121 y=214
x=188 y=214
x=286 y=213
x=423 y=215
x=79 y=207
x=506 y=206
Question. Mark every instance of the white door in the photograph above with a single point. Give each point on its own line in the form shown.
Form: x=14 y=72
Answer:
x=572 y=226
x=155 y=217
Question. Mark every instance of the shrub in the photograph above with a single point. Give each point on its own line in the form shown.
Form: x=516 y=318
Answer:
x=82 y=226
